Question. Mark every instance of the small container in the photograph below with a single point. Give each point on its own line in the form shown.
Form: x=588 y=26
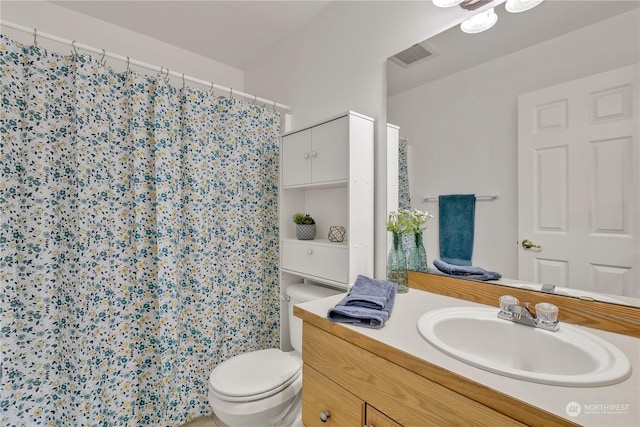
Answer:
x=546 y=312
x=506 y=301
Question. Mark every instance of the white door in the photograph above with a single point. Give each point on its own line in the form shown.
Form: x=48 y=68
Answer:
x=579 y=184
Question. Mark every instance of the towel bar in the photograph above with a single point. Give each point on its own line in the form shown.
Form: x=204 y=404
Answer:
x=478 y=197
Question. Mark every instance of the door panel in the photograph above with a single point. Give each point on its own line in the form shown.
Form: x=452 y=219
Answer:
x=296 y=158
x=579 y=183
x=330 y=143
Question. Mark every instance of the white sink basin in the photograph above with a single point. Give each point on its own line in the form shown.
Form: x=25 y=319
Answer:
x=568 y=357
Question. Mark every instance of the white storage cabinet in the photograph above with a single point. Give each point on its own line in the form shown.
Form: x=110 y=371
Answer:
x=326 y=171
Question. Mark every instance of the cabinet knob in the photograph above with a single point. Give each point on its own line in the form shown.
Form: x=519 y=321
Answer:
x=368 y=425
x=309 y=251
x=324 y=416
x=313 y=154
x=306 y=155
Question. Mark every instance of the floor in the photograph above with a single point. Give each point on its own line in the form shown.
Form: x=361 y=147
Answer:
x=205 y=421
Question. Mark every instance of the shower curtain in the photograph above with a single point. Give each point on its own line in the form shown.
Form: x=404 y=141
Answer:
x=404 y=197
x=138 y=239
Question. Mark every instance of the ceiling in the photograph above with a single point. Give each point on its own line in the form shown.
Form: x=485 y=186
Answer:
x=241 y=33
x=455 y=51
x=235 y=33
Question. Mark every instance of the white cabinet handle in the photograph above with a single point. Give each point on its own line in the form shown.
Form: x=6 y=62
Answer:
x=313 y=154
x=324 y=416
x=309 y=251
x=306 y=155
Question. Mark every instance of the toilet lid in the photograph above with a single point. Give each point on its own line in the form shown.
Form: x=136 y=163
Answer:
x=254 y=375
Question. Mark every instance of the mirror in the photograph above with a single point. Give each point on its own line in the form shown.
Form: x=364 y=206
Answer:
x=458 y=111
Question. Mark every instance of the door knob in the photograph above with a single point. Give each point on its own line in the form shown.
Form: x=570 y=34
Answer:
x=528 y=244
x=324 y=416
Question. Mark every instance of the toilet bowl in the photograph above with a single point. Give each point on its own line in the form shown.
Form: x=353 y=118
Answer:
x=264 y=387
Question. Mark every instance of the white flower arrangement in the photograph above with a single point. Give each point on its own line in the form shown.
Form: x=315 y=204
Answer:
x=408 y=221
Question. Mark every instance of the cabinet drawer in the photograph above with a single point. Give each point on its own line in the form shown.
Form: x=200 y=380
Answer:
x=375 y=418
x=326 y=261
x=321 y=395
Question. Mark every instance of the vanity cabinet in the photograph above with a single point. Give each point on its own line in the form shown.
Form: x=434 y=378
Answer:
x=357 y=387
x=326 y=171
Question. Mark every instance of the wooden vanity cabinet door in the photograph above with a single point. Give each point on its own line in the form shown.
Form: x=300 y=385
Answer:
x=320 y=394
x=375 y=418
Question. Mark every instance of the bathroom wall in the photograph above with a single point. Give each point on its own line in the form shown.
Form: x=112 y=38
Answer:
x=59 y=21
x=463 y=134
x=337 y=63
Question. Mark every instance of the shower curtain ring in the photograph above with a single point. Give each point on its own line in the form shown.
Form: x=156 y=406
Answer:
x=211 y=90
x=183 y=83
x=73 y=46
x=274 y=105
x=102 y=59
x=255 y=98
x=35 y=37
x=231 y=96
x=128 y=65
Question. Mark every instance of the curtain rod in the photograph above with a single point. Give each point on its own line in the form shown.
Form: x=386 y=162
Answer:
x=162 y=70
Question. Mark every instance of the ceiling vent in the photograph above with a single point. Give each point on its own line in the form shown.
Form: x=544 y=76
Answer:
x=412 y=55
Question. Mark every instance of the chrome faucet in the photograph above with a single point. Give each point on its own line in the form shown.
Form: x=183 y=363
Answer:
x=546 y=318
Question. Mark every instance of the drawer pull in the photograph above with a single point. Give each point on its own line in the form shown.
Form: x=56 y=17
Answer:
x=309 y=251
x=324 y=416
x=306 y=155
x=313 y=154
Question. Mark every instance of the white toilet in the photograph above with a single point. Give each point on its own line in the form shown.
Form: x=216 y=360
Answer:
x=264 y=387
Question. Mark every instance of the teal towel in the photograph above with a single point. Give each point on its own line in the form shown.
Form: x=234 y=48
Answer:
x=457 y=218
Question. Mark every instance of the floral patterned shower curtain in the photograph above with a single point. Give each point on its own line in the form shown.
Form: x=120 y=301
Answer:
x=404 y=197
x=138 y=239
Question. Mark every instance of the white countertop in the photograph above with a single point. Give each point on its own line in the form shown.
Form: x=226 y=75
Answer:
x=614 y=405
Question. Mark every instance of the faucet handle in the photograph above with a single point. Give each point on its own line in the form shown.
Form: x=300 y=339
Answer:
x=547 y=312
x=506 y=301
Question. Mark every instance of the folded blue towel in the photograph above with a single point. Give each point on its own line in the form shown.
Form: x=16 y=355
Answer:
x=365 y=300
x=362 y=305
x=466 y=271
x=457 y=218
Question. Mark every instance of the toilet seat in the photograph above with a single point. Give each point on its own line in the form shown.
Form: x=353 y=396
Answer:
x=254 y=375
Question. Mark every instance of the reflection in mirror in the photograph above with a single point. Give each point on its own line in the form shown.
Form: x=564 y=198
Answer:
x=458 y=110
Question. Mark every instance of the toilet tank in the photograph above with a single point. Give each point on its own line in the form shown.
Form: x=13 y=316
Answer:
x=299 y=293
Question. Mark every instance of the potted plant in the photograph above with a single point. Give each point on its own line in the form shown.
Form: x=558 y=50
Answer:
x=305 y=226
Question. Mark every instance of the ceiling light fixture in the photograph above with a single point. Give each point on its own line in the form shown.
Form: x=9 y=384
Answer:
x=517 y=6
x=446 y=3
x=480 y=22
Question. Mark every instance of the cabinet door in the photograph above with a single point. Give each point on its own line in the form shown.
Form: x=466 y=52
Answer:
x=375 y=418
x=296 y=158
x=330 y=151
x=325 y=404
